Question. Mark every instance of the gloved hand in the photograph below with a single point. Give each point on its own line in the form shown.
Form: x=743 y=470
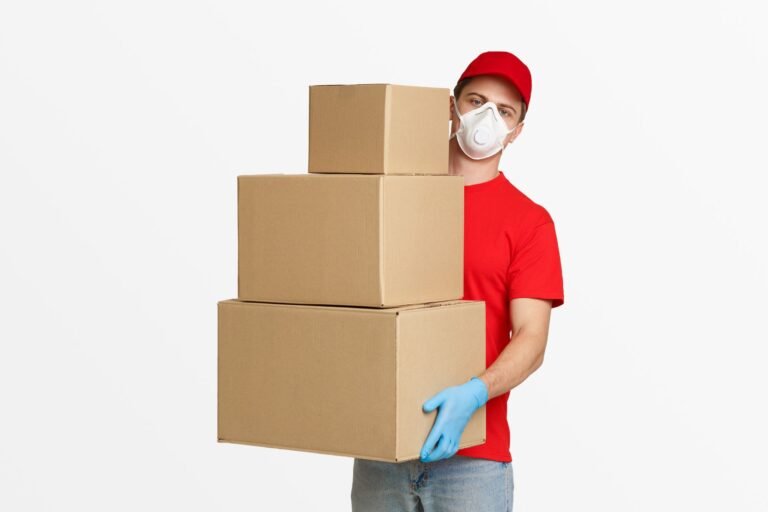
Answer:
x=457 y=405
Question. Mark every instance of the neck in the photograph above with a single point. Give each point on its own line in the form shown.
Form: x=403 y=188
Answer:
x=474 y=171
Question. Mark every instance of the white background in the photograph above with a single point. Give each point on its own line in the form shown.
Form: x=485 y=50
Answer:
x=124 y=124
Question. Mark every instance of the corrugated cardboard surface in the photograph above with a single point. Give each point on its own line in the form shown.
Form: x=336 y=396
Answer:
x=345 y=239
x=417 y=130
x=422 y=239
x=344 y=380
x=430 y=359
x=378 y=129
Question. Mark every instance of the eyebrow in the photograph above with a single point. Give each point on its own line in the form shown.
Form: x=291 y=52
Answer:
x=500 y=104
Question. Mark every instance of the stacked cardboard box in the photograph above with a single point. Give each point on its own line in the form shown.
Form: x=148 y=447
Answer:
x=350 y=281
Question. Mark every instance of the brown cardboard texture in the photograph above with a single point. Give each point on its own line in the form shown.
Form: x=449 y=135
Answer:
x=344 y=380
x=378 y=129
x=351 y=240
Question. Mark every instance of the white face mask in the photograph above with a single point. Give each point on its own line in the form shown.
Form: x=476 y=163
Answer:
x=482 y=131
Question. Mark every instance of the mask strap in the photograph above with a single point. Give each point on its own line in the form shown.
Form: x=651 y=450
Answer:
x=456 y=110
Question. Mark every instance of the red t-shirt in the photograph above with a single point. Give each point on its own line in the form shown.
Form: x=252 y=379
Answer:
x=510 y=251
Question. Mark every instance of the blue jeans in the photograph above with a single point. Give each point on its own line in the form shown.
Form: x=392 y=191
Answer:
x=456 y=484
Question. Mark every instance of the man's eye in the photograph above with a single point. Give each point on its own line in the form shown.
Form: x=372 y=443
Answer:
x=476 y=101
x=504 y=112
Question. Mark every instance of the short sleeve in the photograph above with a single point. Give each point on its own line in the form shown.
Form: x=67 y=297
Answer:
x=535 y=270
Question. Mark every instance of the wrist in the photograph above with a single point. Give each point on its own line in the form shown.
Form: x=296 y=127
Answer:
x=479 y=390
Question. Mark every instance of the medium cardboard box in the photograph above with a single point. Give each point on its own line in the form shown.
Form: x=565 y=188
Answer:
x=344 y=380
x=378 y=129
x=350 y=239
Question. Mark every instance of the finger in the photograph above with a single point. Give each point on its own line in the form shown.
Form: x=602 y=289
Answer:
x=454 y=449
x=441 y=451
x=431 y=441
x=438 y=429
x=433 y=402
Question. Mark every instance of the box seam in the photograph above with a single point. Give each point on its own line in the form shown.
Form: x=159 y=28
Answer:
x=361 y=309
x=382 y=198
x=397 y=384
x=387 y=123
x=309 y=130
x=237 y=228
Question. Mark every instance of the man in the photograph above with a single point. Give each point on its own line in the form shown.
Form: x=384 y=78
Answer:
x=512 y=262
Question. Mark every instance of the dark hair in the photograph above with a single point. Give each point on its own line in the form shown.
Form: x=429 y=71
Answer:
x=463 y=83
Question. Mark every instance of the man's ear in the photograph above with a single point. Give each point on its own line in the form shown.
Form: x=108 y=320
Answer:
x=450 y=107
x=515 y=133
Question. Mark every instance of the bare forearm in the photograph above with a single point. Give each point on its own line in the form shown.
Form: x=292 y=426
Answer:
x=520 y=358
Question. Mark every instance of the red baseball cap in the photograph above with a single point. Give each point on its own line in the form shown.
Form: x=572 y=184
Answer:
x=505 y=65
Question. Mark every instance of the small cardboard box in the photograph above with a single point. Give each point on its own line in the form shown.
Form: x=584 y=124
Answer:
x=350 y=239
x=343 y=380
x=378 y=129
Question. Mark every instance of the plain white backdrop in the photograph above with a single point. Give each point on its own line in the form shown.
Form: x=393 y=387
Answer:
x=123 y=126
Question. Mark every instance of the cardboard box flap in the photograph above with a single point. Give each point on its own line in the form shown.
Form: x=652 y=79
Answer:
x=361 y=309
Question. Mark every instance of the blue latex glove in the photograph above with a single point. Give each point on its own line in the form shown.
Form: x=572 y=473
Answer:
x=457 y=405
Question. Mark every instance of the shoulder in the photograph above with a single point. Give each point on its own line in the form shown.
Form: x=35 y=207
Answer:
x=523 y=211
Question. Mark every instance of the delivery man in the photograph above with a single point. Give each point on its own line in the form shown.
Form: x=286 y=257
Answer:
x=512 y=262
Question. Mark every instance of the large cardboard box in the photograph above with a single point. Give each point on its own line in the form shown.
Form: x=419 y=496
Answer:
x=378 y=129
x=352 y=240
x=344 y=380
